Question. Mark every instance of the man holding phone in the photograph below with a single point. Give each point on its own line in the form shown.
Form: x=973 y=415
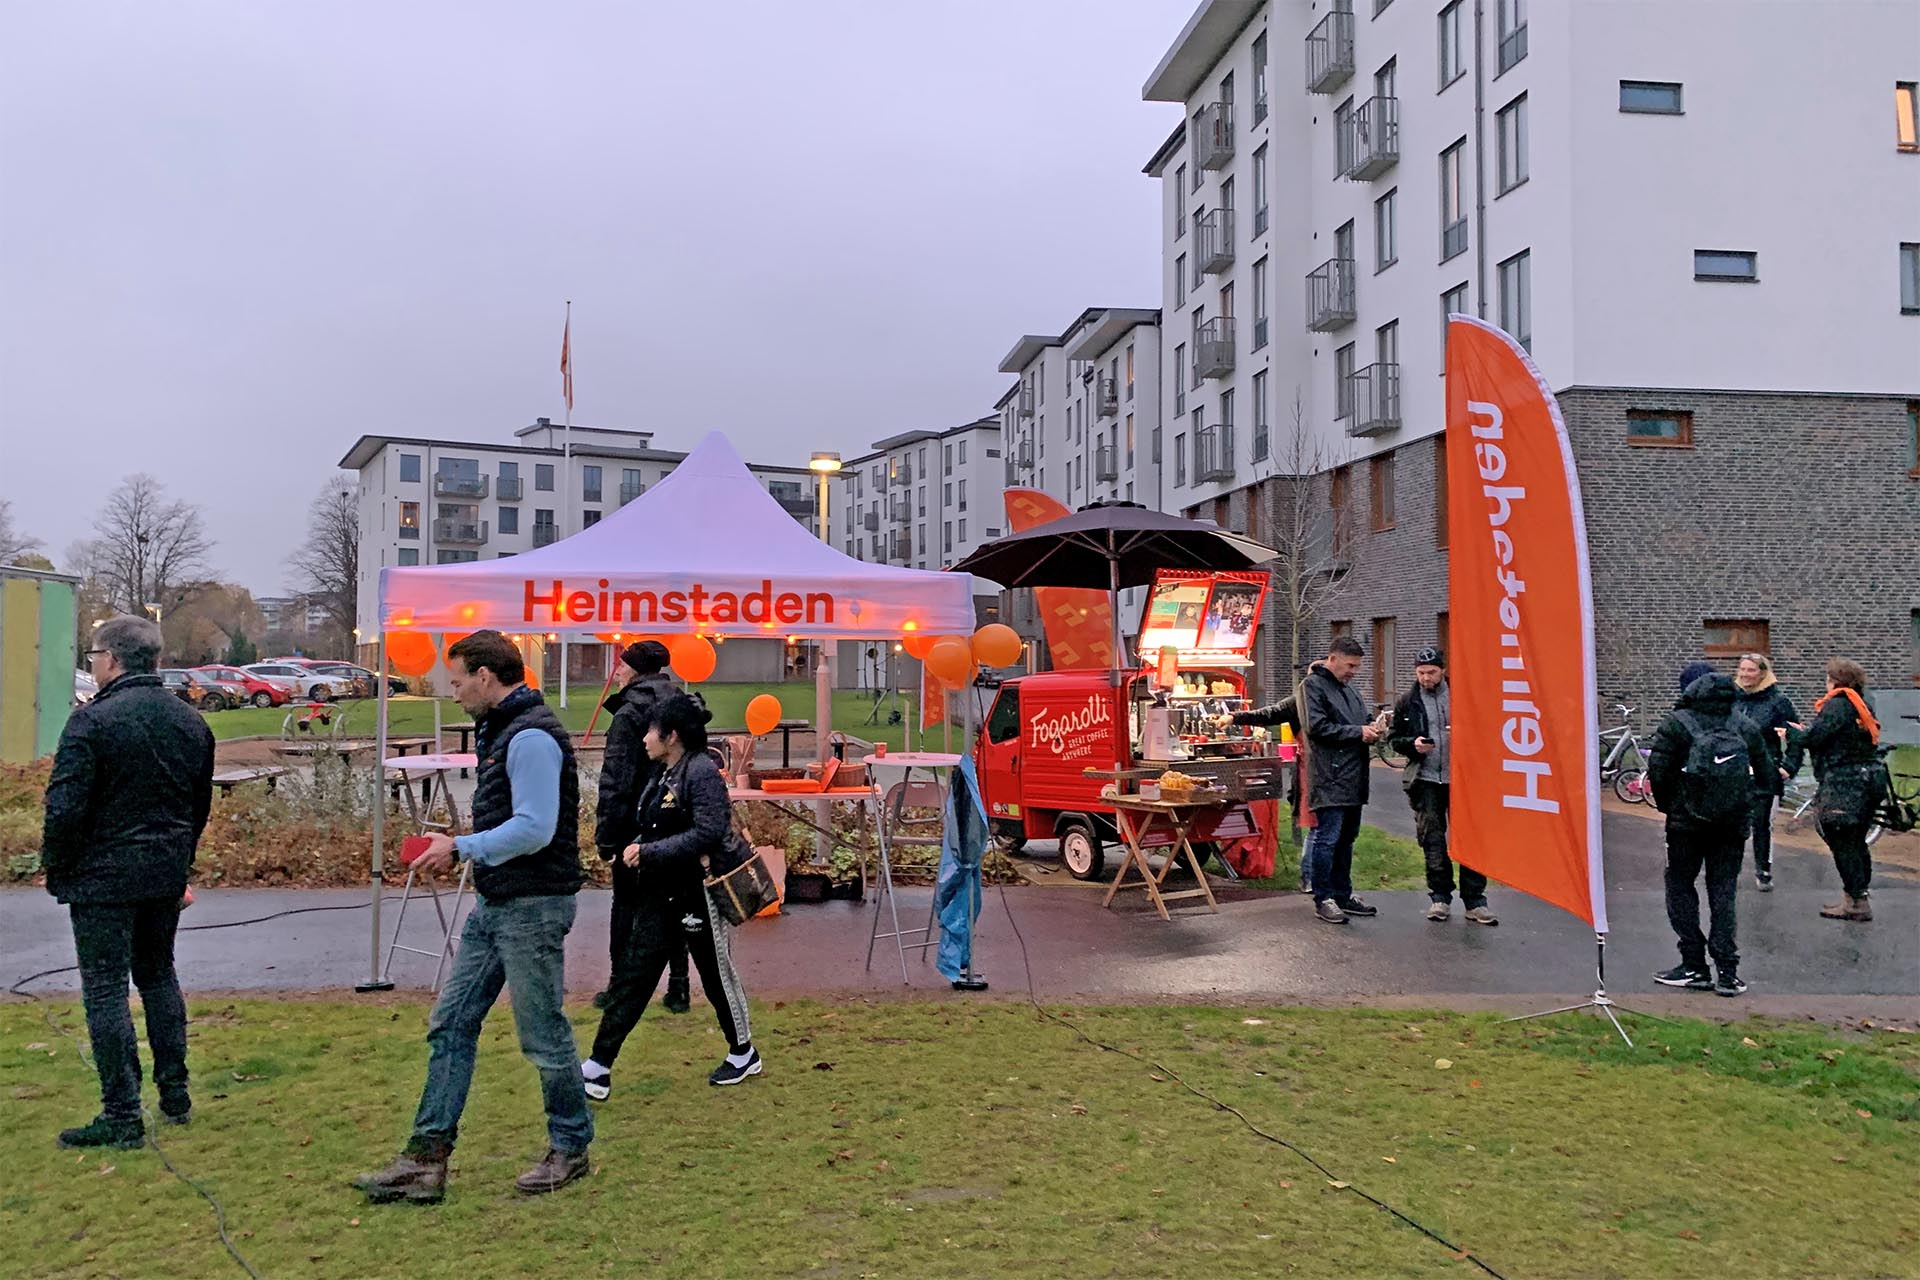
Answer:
x=1422 y=723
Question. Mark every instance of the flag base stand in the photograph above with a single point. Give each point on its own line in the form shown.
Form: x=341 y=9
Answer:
x=1601 y=1001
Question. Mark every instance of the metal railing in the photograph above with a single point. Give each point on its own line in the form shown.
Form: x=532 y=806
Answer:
x=460 y=533
x=1213 y=247
x=1213 y=351
x=871 y=522
x=1374 y=394
x=452 y=486
x=1025 y=405
x=1372 y=145
x=1213 y=138
x=410 y=531
x=1330 y=50
x=631 y=490
x=1213 y=453
x=1453 y=239
x=1026 y=452
x=901 y=511
x=1106 y=462
x=509 y=488
x=1330 y=295
x=1106 y=395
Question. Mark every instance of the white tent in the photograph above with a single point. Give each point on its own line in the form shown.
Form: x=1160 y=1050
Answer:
x=708 y=550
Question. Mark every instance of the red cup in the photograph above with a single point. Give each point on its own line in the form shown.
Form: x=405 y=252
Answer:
x=879 y=748
x=411 y=848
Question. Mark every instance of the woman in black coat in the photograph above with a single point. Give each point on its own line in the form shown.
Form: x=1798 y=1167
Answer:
x=1842 y=740
x=685 y=820
x=1759 y=700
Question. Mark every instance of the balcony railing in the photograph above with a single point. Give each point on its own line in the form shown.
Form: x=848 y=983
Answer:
x=1106 y=462
x=1374 y=393
x=543 y=534
x=631 y=489
x=1513 y=47
x=460 y=533
x=800 y=505
x=1213 y=137
x=452 y=486
x=411 y=531
x=1213 y=454
x=871 y=522
x=1330 y=51
x=1106 y=397
x=1372 y=145
x=1213 y=352
x=901 y=512
x=1453 y=239
x=1026 y=402
x=1213 y=249
x=1026 y=452
x=510 y=488
x=1330 y=295
x=900 y=548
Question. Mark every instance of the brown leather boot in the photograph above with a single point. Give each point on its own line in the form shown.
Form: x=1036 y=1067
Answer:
x=417 y=1175
x=556 y=1169
x=1849 y=908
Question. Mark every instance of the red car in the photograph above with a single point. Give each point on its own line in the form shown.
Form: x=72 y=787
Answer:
x=244 y=685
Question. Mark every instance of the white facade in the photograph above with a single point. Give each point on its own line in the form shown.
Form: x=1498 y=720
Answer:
x=921 y=499
x=428 y=501
x=1581 y=189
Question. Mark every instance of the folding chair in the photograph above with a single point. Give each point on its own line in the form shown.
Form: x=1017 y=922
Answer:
x=897 y=829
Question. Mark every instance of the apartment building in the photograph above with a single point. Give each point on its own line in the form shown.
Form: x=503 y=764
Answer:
x=921 y=499
x=1647 y=194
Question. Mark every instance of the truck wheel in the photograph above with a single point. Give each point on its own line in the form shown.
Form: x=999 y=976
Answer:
x=1080 y=849
x=263 y=700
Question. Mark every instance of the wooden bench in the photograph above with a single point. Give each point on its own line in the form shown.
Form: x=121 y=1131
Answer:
x=231 y=778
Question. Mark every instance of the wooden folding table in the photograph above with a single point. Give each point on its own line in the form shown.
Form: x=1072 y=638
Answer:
x=1136 y=817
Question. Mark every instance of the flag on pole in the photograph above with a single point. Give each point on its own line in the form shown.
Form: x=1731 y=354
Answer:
x=566 y=359
x=1078 y=620
x=1521 y=627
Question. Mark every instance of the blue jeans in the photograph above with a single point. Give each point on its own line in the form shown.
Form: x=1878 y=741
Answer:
x=1330 y=851
x=519 y=942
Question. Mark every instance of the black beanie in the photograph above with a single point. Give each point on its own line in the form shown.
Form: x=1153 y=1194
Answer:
x=646 y=657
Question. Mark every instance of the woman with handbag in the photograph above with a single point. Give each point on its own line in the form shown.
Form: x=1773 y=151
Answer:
x=684 y=829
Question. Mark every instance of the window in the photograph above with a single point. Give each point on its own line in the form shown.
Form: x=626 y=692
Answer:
x=588 y=519
x=1738 y=265
x=1452 y=302
x=963 y=456
x=1913 y=438
x=1343 y=241
x=409 y=556
x=1262 y=429
x=1452 y=52
x=1731 y=637
x=1453 y=201
x=1906 y=135
x=963 y=495
x=1225 y=432
x=1337 y=629
x=509 y=475
x=1155 y=445
x=1226 y=303
x=1003 y=722
x=946 y=494
x=1511 y=122
x=1650 y=97
x=1380 y=485
x=455 y=557
x=509 y=519
x=1516 y=297
x=1260 y=192
x=1343 y=138
x=1343 y=382
x=409 y=468
x=1260 y=77
x=543 y=477
x=1386 y=80
x=410 y=520
x=946 y=456
x=1443 y=630
x=1340 y=502
x=1180 y=458
x=946 y=536
x=1386 y=235
x=1180 y=281
x=1910 y=279
x=1380 y=7
x=1440 y=494
x=963 y=528
x=1129 y=439
x=589 y=484
x=1669 y=427
x=1513 y=33
x=1384 y=686
x=1386 y=343
x=1180 y=202
x=1260 y=304
x=1179 y=379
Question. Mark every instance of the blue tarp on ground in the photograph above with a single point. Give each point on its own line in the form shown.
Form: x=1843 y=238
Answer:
x=956 y=894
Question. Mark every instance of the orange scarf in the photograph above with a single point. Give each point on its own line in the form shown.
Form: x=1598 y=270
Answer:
x=1867 y=721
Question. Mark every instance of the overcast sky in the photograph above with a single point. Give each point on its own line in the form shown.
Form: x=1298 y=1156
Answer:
x=234 y=237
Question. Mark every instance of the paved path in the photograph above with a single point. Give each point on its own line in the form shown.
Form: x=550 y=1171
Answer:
x=1260 y=948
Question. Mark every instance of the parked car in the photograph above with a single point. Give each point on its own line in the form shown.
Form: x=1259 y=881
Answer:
x=258 y=690
x=197 y=689
x=363 y=679
x=301 y=681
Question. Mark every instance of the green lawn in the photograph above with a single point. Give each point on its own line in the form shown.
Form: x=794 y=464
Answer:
x=948 y=1139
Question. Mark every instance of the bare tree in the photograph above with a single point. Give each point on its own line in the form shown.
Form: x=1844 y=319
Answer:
x=13 y=543
x=328 y=562
x=1311 y=534
x=146 y=549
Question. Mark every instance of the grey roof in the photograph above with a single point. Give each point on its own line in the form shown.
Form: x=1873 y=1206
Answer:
x=1198 y=49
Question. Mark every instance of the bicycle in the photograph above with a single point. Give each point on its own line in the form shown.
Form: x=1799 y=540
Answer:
x=1624 y=763
x=1898 y=789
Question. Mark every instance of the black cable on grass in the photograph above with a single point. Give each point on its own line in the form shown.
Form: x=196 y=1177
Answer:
x=1458 y=1251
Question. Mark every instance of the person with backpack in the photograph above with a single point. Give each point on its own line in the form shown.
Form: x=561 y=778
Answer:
x=1760 y=699
x=1704 y=764
x=1842 y=740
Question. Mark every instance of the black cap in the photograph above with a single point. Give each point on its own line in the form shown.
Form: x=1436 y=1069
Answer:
x=646 y=657
x=1430 y=657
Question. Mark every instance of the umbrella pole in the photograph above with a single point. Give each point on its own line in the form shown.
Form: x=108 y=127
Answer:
x=1123 y=745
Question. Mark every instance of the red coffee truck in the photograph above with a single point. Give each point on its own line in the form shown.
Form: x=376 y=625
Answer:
x=1044 y=731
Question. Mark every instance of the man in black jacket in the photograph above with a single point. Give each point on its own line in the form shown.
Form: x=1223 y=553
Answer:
x=624 y=773
x=131 y=788
x=1338 y=735
x=1702 y=763
x=1422 y=731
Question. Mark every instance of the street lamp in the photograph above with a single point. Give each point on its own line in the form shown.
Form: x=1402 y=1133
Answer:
x=824 y=466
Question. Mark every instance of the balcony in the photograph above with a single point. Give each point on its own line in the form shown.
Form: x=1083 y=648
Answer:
x=1012 y=476
x=544 y=534
x=510 y=488
x=1106 y=462
x=410 y=531
x=451 y=486
x=1372 y=145
x=1025 y=453
x=1213 y=349
x=631 y=489
x=1213 y=136
x=1374 y=394
x=1330 y=295
x=1025 y=402
x=901 y=511
x=900 y=548
x=1213 y=454
x=1213 y=245
x=460 y=533
x=871 y=522
x=1106 y=397
x=1330 y=50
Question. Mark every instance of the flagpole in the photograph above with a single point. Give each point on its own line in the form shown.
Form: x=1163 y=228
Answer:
x=566 y=464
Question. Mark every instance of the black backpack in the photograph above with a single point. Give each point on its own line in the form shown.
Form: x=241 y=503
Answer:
x=1717 y=780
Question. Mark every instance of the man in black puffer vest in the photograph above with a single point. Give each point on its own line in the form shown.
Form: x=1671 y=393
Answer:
x=525 y=851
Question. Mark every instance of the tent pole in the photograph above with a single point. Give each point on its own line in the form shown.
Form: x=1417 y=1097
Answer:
x=374 y=981
x=823 y=749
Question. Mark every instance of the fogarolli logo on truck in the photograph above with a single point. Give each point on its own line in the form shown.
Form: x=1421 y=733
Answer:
x=1071 y=733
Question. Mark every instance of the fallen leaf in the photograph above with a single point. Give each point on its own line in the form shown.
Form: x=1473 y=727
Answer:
x=353 y=1222
x=844 y=1155
x=1840 y=1160
x=1461 y=1255
x=106 y=1169
x=1389 y=1159
x=1285 y=1185
x=1689 y=1235
x=1156 y=1076
x=885 y=1166
x=1339 y=1186
x=1443 y=1064
x=36 y=1047
x=1258 y=1022
x=1473 y=1084
x=1080 y=1109
x=1750 y=1042
x=1863 y=1113
x=1832 y=1055
x=307 y=1141
x=243 y=1079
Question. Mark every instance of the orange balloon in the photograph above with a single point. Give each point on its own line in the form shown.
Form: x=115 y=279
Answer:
x=948 y=661
x=411 y=653
x=996 y=645
x=916 y=643
x=452 y=638
x=693 y=658
x=763 y=714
